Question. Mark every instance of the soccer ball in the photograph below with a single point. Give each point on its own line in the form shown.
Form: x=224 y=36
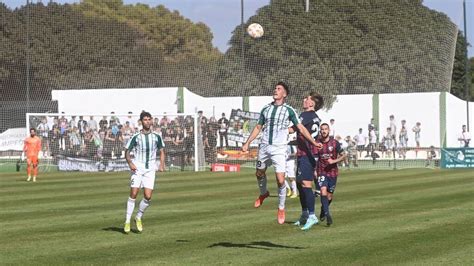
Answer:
x=255 y=30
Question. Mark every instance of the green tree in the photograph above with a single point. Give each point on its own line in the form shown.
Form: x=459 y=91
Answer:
x=343 y=47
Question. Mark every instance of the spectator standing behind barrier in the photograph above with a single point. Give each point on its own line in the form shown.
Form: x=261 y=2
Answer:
x=361 y=141
x=92 y=124
x=130 y=120
x=43 y=130
x=372 y=141
x=81 y=126
x=430 y=156
x=63 y=127
x=223 y=123
x=464 y=138
x=389 y=143
x=403 y=141
x=417 y=130
x=393 y=129
x=351 y=148
x=103 y=123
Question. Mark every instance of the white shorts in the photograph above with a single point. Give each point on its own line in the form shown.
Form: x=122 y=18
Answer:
x=143 y=179
x=290 y=170
x=272 y=154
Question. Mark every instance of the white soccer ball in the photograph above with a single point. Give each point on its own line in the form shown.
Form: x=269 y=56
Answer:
x=255 y=30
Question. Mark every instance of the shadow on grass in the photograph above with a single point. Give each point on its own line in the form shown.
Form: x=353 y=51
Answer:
x=255 y=244
x=118 y=230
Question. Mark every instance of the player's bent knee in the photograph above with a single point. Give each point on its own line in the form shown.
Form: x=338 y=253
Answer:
x=260 y=174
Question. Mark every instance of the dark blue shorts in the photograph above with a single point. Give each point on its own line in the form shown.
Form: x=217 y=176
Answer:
x=329 y=182
x=305 y=169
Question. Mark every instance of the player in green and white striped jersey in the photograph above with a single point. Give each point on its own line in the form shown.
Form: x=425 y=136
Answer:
x=145 y=144
x=275 y=119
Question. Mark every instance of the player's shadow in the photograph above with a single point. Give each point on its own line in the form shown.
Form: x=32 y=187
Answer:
x=255 y=245
x=115 y=229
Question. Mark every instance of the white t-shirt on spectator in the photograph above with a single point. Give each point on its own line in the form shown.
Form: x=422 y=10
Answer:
x=361 y=139
x=464 y=136
x=373 y=137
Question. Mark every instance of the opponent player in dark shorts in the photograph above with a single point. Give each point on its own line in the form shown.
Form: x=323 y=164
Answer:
x=305 y=160
x=328 y=156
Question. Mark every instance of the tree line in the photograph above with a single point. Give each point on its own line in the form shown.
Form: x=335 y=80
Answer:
x=339 y=47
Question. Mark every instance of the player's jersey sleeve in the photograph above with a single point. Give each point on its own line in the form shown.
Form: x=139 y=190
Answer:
x=261 y=118
x=292 y=116
x=132 y=143
x=159 y=142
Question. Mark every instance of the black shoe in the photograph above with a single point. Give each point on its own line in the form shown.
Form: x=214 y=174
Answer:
x=329 y=219
x=322 y=216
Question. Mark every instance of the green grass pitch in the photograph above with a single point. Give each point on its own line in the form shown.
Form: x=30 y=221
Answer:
x=422 y=216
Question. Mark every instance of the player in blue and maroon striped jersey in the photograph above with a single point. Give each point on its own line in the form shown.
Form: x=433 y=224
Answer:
x=328 y=156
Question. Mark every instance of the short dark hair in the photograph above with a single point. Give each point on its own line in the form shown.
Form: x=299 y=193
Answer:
x=32 y=128
x=144 y=114
x=318 y=100
x=324 y=124
x=285 y=86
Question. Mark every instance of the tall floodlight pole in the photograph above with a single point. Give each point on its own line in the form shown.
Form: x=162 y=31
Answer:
x=242 y=45
x=28 y=66
x=467 y=79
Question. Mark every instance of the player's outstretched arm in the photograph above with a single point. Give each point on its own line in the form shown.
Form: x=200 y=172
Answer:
x=162 y=160
x=308 y=136
x=132 y=166
x=256 y=130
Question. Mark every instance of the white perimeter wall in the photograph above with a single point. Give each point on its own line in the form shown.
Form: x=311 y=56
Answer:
x=456 y=116
x=212 y=106
x=351 y=112
x=412 y=107
x=120 y=101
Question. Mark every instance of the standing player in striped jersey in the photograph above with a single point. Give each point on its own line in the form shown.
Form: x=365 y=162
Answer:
x=31 y=147
x=306 y=162
x=144 y=144
x=328 y=156
x=275 y=119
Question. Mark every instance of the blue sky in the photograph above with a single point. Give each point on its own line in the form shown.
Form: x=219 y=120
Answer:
x=223 y=15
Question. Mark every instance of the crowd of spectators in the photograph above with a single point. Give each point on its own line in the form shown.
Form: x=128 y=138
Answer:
x=106 y=137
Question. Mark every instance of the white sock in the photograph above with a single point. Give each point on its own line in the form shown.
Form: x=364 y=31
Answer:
x=262 y=185
x=293 y=186
x=281 y=197
x=130 y=207
x=142 y=207
x=287 y=185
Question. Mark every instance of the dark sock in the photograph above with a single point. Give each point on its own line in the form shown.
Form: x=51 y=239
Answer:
x=325 y=203
x=329 y=202
x=302 y=197
x=309 y=197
